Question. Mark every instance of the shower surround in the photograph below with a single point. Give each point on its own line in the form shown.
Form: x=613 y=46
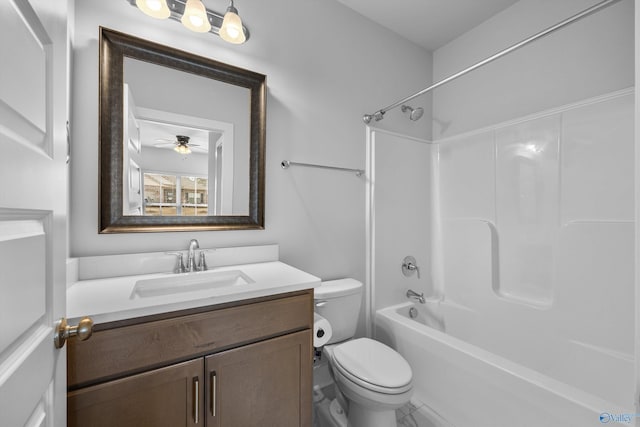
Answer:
x=534 y=221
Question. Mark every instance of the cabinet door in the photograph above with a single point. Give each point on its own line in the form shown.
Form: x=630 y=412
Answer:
x=267 y=384
x=170 y=397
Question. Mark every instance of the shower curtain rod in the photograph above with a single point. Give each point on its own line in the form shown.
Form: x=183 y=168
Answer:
x=379 y=115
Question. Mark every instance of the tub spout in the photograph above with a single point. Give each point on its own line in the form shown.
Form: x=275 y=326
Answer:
x=416 y=296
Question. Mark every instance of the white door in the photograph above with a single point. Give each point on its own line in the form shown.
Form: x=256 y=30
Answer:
x=33 y=210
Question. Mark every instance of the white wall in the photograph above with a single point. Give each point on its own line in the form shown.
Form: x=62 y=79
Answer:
x=400 y=203
x=164 y=160
x=588 y=58
x=326 y=67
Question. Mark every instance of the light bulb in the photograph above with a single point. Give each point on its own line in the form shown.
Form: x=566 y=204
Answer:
x=195 y=17
x=154 y=8
x=182 y=149
x=231 y=30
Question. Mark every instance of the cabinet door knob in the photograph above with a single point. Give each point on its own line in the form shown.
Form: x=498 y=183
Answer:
x=63 y=331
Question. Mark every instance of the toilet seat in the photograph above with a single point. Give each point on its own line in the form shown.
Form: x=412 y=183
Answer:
x=373 y=365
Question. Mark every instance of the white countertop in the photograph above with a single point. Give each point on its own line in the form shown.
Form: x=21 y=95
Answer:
x=112 y=299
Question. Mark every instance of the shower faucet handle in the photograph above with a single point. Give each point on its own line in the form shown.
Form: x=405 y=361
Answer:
x=413 y=267
x=409 y=266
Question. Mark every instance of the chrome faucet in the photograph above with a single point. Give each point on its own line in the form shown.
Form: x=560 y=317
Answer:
x=191 y=258
x=416 y=296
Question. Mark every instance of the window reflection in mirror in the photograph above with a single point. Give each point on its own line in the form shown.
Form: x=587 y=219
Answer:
x=160 y=195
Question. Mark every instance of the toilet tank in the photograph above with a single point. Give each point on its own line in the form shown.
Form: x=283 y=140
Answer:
x=339 y=302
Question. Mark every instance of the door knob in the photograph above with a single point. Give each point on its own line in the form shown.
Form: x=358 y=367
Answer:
x=83 y=331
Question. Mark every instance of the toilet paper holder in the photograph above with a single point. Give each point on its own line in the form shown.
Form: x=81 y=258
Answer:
x=317 y=351
x=321 y=332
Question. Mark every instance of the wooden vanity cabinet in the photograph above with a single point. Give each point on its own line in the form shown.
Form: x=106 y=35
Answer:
x=238 y=365
x=259 y=384
x=164 y=397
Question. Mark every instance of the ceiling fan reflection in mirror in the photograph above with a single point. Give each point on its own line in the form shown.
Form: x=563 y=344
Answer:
x=181 y=144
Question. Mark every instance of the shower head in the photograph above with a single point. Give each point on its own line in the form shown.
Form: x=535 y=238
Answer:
x=414 y=113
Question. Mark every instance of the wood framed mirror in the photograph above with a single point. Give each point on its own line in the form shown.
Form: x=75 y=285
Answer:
x=182 y=140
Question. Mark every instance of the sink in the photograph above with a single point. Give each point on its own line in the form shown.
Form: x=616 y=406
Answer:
x=189 y=282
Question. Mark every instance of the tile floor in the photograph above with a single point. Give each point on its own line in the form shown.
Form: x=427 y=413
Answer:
x=413 y=414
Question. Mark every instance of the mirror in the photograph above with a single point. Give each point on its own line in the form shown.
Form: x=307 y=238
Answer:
x=182 y=140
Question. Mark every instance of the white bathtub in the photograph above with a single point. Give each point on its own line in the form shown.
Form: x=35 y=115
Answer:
x=463 y=375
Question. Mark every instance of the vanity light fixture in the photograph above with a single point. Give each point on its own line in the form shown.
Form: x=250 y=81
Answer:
x=195 y=16
x=154 y=8
x=231 y=30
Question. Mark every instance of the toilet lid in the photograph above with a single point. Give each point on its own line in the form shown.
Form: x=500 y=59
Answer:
x=373 y=362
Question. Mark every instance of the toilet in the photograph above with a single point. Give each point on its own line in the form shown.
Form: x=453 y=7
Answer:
x=372 y=379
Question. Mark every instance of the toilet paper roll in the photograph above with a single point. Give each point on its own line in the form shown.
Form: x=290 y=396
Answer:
x=321 y=330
